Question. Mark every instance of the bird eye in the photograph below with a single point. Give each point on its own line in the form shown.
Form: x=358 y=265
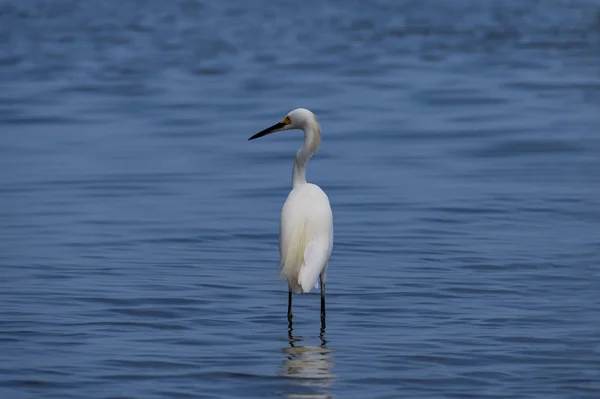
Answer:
x=287 y=120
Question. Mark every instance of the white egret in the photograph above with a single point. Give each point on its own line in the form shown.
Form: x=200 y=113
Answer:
x=306 y=226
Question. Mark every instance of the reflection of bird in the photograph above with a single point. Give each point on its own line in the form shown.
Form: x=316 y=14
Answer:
x=306 y=228
x=309 y=368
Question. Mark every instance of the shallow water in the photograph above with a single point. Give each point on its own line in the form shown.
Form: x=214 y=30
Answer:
x=138 y=226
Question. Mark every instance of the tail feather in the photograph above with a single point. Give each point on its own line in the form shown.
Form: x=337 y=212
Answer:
x=292 y=258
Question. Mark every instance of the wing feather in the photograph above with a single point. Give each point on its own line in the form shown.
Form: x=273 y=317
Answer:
x=315 y=260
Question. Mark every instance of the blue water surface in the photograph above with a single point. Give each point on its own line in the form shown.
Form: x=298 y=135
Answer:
x=138 y=226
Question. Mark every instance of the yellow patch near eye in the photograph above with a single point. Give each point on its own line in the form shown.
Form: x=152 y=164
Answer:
x=287 y=120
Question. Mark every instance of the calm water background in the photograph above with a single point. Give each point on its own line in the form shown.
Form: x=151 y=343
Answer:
x=138 y=226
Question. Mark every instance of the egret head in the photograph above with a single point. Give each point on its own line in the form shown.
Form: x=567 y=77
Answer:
x=300 y=118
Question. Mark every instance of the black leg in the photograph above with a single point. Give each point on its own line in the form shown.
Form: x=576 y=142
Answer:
x=289 y=305
x=322 y=303
x=290 y=332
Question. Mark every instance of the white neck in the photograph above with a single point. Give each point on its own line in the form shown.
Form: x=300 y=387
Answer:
x=312 y=138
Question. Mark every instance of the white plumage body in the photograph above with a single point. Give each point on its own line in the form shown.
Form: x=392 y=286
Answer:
x=305 y=237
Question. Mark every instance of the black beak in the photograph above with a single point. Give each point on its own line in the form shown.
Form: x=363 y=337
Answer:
x=268 y=130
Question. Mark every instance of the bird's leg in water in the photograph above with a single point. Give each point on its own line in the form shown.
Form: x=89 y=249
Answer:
x=322 y=302
x=289 y=304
